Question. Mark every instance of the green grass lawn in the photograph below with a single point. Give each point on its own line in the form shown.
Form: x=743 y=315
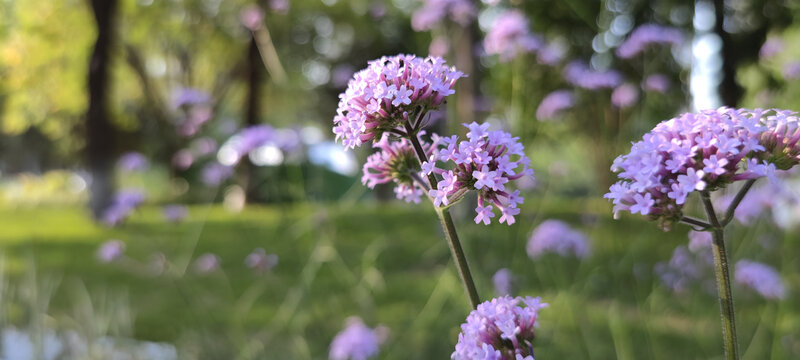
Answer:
x=387 y=263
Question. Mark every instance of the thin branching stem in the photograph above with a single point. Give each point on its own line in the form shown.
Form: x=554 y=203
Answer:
x=736 y=200
x=701 y=225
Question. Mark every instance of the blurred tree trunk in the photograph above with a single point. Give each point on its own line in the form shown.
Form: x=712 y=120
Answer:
x=465 y=87
x=99 y=131
x=730 y=92
x=252 y=110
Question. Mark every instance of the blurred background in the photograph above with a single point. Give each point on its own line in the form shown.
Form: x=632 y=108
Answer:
x=170 y=187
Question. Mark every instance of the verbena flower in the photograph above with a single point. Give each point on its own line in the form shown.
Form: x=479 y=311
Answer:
x=206 y=263
x=554 y=236
x=579 y=74
x=509 y=36
x=260 y=261
x=397 y=162
x=254 y=137
x=499 y=329
x=433 y=12
x=624 y=96
x=688 y=267
x=646 y=35
x=554 y=103
x=761 y=278
x=703 y=151
x=356 y=341
x=122 y=205
x=773 y=46
x=133 y=161
x=175 y=213
x=110 y=251
x=252 y=17
x=503 y=281
x=656 y=83
x=486 y=162
x=184 y=96
x=215 y=173
x=388 y=92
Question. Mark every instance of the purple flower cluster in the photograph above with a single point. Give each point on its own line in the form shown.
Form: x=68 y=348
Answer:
x=579 y=74
x=356 y=341
x=554 y=236
x=656 y=83
x=554 y=103
x=253 y=137
x=184 y=96
x=499 y=329
x=122 y=205
x=110 y=251
x=503 y=281
x=486 y=162
x=646 y=35
x=133 y=161
x=624 y=96
x=397 y=162
x=703 y=151
x=260 y=261
x=509 y=35
x=433 y=12
x=206 y=263
x=175 y=213
x=761 y=278
x=687 y=267
x=773 y=46
x=388 y=92
x=215 y=173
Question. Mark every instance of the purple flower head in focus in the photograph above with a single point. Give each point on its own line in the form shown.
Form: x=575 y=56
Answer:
x=554 y=236
x=499 y=329
x=487 y=161
x=175 y=213
x=554 y=103
x=260 y=261
x=648 y=34
x=389 y=92
x=133 y=161
x=579 y=74
x=122 y=205
x=397 y=162
x=433 y=12
x=509 y=35
x=624 y=96
x=702 y=151
x=656 y=83
x=110 y=251
x=773 y=46
x=215 y=173
x=503 y=281
x=206 y=263
x=761 y=278
x=356 y=341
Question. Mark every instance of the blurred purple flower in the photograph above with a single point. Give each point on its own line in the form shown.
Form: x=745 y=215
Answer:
x=551 y=53
x=509 y=35
x=183 y=159
x=657 y=83
x=761 y=278
x=197 y=116
x=578 y=74
x=175 y=213
x=110 y=251
x=206 y=263
x=499 y=329
x=260 y=261
x=356 y=341
x=699 y=241
x=757 y=200
x=646 y=35
x=433 y=12
x=188 y=96
x=252 y=17
x=791 y=71
x=555 y=236
x=685 y=269
x=554 y=103
x=203 y=146
x=215 y=173
x=503 y=281
x=624 y=96
x=279 y=6
x=439 y=46
x=122 y=205
x=773 y=46
x=133 y=161
x=341 y=75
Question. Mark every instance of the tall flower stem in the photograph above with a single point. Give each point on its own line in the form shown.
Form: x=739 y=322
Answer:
x=723 y=279
x=449 y=230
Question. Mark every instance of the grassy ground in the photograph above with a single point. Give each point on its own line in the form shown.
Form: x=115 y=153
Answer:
x=388 y=264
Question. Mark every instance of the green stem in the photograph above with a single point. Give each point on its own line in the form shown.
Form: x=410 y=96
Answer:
x=723 y=281
x=449 y=229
